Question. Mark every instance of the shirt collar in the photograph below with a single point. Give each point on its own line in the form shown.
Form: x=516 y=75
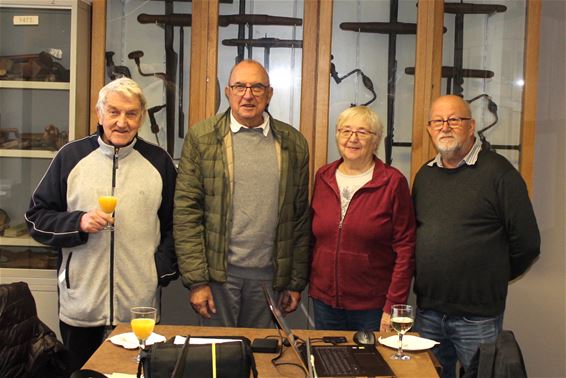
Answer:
x=470 y=159
x=235 y=126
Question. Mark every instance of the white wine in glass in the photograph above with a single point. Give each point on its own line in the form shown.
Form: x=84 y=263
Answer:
x=143 y=322
x=107 y=201
x=401 y=320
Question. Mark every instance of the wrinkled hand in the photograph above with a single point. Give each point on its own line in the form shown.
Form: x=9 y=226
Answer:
x=289 y=300
x=385 y=325
x=95 y=221
x=202 y=301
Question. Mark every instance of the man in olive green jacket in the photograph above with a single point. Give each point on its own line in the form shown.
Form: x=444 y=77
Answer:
x=241 y=218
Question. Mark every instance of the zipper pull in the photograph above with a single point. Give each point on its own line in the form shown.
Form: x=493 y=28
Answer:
x=116 y=151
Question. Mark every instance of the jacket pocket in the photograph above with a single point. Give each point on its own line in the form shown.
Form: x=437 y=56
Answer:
x=67 y=268
x=356 y=277
x=323 y=271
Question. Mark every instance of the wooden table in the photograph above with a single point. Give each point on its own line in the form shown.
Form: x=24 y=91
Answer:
x=110 y=358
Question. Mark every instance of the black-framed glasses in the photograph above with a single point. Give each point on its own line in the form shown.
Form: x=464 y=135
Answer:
x=257 y=89
x=453 y=122
x=360 y=133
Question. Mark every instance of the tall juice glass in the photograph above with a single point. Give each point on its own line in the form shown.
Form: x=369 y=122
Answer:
x=143 y=322
x=107 y=202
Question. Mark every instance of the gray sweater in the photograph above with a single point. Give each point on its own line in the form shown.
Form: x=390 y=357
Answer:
x=256 y=190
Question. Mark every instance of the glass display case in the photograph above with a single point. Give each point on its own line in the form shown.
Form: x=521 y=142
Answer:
x=44 y=78
x=150 y=42
x=483 y=61
x=372 y=41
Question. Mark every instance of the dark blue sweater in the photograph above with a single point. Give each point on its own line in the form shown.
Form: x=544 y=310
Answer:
x=476 y=230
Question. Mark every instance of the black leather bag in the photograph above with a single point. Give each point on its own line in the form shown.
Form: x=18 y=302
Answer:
x=232 y=359
x=502 y=359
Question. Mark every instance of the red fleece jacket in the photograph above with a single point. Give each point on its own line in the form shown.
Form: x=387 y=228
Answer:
x=368 y=261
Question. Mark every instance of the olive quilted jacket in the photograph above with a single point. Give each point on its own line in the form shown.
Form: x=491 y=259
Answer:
x=203 y=204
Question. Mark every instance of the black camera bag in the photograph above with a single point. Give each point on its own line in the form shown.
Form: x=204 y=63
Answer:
x=233 y=359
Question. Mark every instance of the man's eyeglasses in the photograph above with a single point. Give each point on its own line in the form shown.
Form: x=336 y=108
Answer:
x=360 y=133
x=453 y=123
x=257 y=89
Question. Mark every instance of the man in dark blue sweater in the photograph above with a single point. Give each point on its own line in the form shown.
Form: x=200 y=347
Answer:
x=476 y=231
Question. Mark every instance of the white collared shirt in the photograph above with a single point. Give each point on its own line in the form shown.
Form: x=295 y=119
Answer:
x=235 y=126
x=470 y=158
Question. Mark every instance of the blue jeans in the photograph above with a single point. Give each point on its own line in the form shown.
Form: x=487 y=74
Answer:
x=330 y=318
x=459 y=336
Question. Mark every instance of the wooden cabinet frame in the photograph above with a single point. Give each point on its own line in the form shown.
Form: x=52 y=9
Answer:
x=317 y=42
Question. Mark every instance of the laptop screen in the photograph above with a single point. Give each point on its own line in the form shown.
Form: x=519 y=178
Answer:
x=371 y=361
x=280 y=320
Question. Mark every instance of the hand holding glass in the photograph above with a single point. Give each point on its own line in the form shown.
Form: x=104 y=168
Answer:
x=401 y=321
x=107 y=202
x=143 y=321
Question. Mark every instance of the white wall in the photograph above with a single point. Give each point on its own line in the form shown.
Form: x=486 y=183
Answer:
x=536 y=305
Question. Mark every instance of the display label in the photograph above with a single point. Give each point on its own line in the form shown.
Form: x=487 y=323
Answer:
x=26 y=20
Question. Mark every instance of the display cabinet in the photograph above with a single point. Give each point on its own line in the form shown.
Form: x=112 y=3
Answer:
x=44 y=82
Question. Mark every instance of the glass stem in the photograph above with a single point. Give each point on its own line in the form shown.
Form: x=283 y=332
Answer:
x=400 y=349
x=142 y=346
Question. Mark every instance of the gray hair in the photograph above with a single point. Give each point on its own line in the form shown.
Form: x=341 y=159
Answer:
x=361 y=114
x=124 y=86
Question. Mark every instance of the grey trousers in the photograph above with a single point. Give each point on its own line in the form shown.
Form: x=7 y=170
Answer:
x=240 y=303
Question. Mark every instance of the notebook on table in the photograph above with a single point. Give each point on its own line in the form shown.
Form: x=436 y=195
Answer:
x=331 y=360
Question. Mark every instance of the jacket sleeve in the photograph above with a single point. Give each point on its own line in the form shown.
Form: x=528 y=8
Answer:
x=188 y=216
x=165 y=257
x=302 y=225
x=519 y=220
x=47 y=218
x=403 y=245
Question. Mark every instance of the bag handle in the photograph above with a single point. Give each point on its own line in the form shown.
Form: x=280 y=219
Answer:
x=179 y=369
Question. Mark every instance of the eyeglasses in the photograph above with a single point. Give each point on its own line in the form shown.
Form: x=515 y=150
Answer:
x=453 y=123
x=257 y=89
x=360 y=133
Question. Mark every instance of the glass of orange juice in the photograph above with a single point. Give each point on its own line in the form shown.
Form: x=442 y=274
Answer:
x=143 y=321
x=107 y=201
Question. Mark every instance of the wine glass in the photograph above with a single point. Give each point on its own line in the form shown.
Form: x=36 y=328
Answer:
x=401 y=321
x=107 y=201
x=143 y=321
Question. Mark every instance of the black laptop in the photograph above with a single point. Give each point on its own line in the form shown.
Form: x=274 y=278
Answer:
x=331 y=360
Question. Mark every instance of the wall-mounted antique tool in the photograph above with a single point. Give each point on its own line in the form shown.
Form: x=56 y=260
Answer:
x=136 y=57
x=114 y=71
x=449 y=72
x=492 y=108
x=266 y=43
x=152 y=121
x=365 y=80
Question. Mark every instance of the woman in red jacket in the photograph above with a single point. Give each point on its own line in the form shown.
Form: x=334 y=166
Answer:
x=363 y=231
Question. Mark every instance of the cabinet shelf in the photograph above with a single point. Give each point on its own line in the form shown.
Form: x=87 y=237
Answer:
x=20 y=241
x=17 y=84
x=38 y=154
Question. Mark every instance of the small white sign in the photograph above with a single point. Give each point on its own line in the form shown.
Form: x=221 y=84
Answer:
x=26 y=20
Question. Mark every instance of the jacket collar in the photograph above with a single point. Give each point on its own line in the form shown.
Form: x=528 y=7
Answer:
x=108 y=149
x=222 y=127
x=380 y=174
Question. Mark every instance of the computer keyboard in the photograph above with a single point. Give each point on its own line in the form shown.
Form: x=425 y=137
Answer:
x=337 y=361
